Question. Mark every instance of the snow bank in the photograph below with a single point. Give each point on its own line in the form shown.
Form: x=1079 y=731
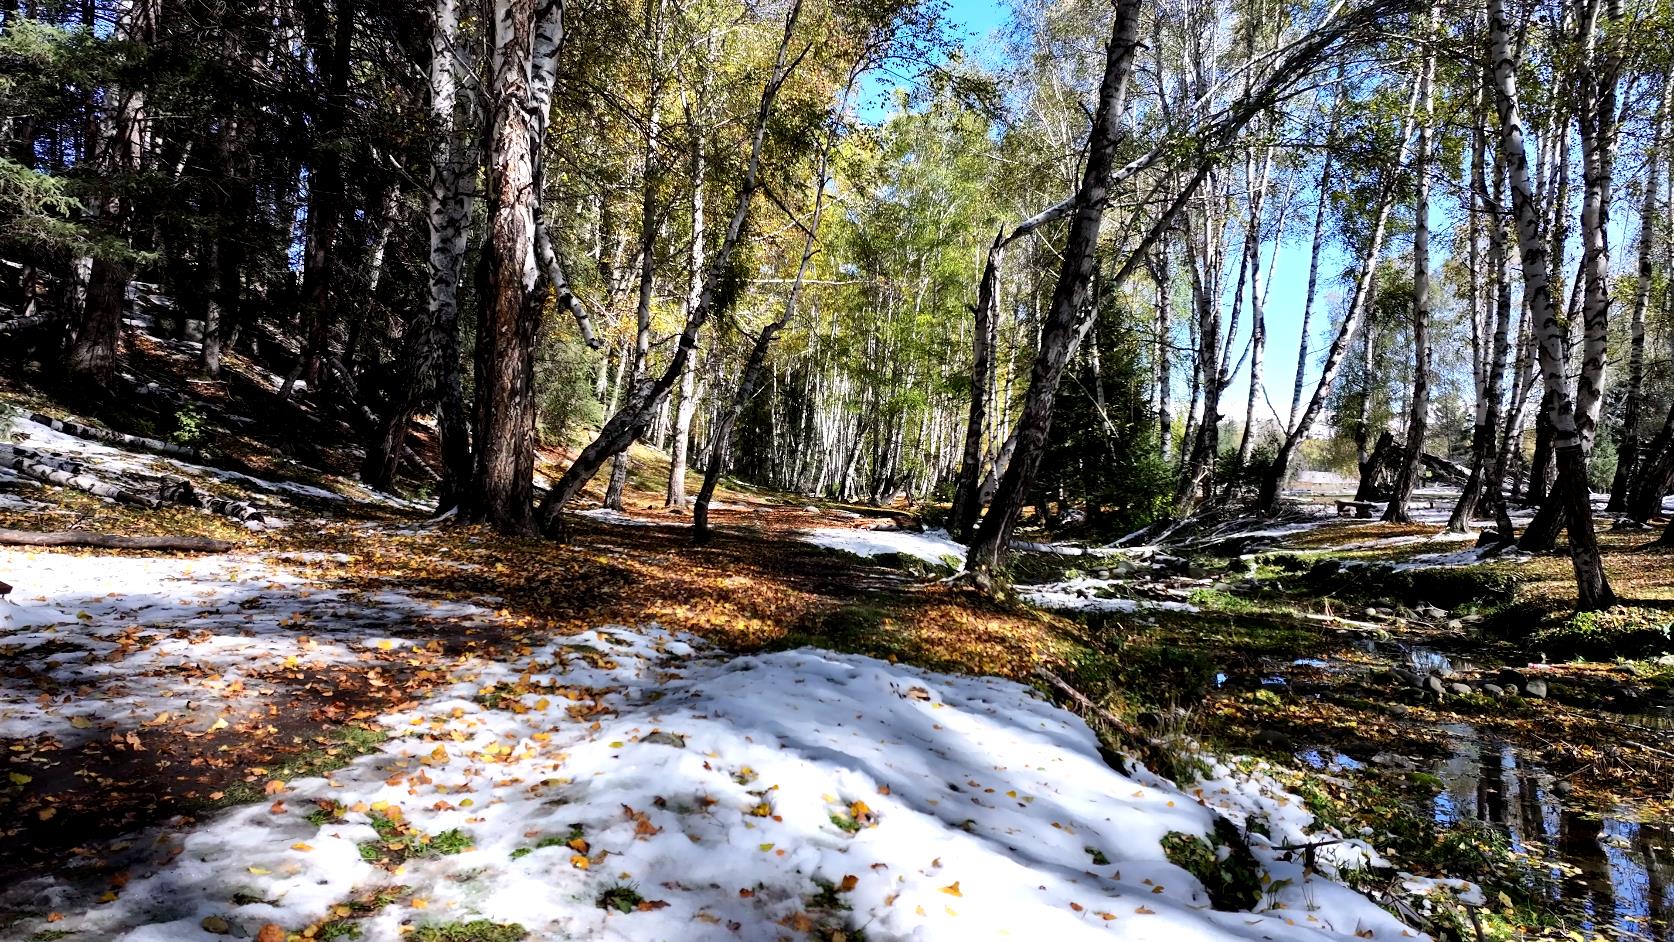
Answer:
x=101 y=457
x=1088 y=594
x=934 y=546
x=764 y=797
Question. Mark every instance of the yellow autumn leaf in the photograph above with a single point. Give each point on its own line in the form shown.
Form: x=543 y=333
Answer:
x=18 y=778
x=579 y=861
x=299 y=845
x=80 y=722
x=952 y=889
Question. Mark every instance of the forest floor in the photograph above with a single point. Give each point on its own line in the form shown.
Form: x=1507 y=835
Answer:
x=360 y=723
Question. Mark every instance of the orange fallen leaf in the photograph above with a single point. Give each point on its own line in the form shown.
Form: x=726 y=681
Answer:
x=952 y=889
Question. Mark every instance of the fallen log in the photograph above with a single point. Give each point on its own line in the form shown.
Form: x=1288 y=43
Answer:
x=116 y=438
x=187 y=544
x=25 y=463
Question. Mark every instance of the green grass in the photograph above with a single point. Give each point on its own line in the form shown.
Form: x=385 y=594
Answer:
x=477 y=930
x=398 y=843
x=551 y=840
x=337 y=749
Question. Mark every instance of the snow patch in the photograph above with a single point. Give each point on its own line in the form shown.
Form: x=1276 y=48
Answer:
x=1087 y=594
x=607 y=515
x=933 y=546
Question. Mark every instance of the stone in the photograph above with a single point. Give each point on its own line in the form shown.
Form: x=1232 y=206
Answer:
x=1535 y=688
x=216 y=925
x=1493 y=690
x=1506 y=677
x=1276 y=740
x=1434 y=685
x=1405 y=677
x=661 y=738
x=1460 y=690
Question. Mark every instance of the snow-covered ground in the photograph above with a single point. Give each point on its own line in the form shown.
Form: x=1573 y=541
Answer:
x=1088 y=594
x=98 y=456
x=759 y=797
x=934 y=546
x=140 y=638
x=607 y=515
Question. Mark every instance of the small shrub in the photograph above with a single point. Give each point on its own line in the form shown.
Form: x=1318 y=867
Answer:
x=1234 y=883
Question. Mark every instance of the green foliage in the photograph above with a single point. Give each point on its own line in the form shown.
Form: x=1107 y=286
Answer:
x=190 y=426
x=1223 y=864
x=1621 y=631
x=621 y=897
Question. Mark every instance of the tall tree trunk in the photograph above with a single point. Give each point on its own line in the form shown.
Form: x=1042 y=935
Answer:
x=1485 y=433
x=650 y=223
x=118 y=152
x=430 y=360
x=1268 y=499
x=1258 y=316
x=326 y=202
x=1627 y=452
x=1061 y=328
x=629 y=422
x=686 y=407
x=1164 y=357
x=1592 y=588
x=968 y=499
x=502 y=485
x=753 y=366
x=1418 y=414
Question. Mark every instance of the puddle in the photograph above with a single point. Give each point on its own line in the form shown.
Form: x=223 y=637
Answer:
x=1617 y=871
x=1329 y=760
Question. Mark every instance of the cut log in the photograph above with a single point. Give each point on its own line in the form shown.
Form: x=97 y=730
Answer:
x=186 y=544
x=117 y=438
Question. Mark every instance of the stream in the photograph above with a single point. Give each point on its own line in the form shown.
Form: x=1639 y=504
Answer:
x=1605 y=863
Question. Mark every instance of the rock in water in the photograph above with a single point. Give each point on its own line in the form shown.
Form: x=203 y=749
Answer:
x=1434 y=685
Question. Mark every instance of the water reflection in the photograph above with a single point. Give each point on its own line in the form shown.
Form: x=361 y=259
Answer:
x=1616 y=869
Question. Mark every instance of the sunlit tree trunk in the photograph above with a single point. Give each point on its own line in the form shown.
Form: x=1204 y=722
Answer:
x=1592 y=588
x=502 y=486
x=429 y=368
x=1061 y=328
x=1418 y=415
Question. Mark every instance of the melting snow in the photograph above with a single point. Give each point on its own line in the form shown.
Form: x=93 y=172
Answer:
x=934 y=546
x=1087 y=595
x=739 y=797
x=607 y=515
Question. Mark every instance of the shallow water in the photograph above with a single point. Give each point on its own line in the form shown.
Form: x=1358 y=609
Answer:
x=1617 y=870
